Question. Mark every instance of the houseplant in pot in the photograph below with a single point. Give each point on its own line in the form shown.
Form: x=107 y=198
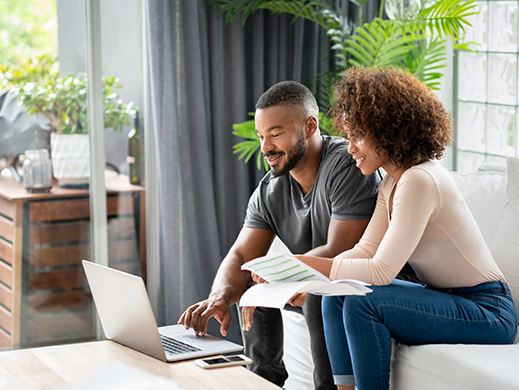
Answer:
x=62 y=99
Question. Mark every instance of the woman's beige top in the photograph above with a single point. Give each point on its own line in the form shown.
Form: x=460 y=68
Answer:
x=428 y=225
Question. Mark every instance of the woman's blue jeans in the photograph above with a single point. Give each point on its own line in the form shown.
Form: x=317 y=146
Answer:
x=358 y=329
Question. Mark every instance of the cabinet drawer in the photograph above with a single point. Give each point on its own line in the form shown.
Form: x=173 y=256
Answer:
x=6 y=297
x=6 y=274
x=59 y=279
x=59 y=233
x=6 y=229
x=58 y=300
x=73 y=209
x=60 y=325
x=5 y=340
x=118 y=250
x=7 y=208
x=6 y=251
x=6 y=320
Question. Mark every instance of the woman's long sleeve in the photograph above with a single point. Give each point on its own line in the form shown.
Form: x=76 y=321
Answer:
x=387 y=244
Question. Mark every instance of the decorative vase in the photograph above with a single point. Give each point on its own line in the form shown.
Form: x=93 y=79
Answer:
x=70 y=159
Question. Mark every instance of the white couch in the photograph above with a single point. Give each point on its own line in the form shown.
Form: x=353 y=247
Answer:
x=493 y=197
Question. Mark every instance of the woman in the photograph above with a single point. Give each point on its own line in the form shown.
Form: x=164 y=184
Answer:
x=396 y=123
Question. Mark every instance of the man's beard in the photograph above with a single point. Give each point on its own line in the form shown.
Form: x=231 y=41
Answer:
x=295 y=155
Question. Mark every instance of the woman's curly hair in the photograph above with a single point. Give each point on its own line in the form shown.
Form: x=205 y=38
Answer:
x=402 y=116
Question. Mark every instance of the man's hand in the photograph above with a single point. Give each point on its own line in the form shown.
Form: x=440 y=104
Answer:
x=197 y=315
x=298 y=300
x=247 y=314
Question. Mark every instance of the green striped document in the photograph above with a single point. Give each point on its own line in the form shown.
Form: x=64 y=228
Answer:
x=287 y=276
x=282 y=268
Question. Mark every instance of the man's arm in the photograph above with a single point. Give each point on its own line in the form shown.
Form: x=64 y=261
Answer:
x=230 y=282
x=342 y=236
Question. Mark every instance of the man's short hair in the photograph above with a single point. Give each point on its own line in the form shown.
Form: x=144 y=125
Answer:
x=289 y=93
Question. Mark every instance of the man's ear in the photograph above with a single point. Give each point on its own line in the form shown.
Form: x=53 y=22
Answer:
x=311 y=126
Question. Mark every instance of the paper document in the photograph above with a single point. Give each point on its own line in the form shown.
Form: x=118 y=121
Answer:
x=286 y=276
x=282 y=268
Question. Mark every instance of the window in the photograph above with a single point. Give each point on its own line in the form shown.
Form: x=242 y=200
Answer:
x=487 y=88
x=44 y=298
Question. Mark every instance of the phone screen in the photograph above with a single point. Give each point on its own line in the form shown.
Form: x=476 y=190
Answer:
x=215 y=361
x=224 y=359
x=234 y=359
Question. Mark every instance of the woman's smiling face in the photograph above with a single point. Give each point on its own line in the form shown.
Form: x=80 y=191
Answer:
x=366 y=156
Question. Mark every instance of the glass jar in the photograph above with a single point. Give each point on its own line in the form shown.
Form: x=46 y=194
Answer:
x=37 y=174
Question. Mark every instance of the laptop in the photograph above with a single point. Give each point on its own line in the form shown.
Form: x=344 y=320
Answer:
x=127 y=318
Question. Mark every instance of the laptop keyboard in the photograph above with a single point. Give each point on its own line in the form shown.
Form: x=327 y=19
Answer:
x=175 y=347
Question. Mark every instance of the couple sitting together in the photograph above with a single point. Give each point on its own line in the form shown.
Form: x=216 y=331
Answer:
x=324 y=199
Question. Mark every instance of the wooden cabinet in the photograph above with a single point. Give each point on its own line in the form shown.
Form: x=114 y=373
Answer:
x=44 y=298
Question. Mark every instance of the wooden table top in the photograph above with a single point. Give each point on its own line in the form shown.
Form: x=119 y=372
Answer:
x=11 y=190
x=73 y=364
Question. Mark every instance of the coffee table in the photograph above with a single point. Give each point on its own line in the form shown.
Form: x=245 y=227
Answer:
x=74 y=364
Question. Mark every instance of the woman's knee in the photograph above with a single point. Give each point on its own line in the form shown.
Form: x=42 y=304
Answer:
x=332 y=305
x=357 y=308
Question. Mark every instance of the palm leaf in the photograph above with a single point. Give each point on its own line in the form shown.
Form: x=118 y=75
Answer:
x=307 y=9
x=259 y=160
x=246 y=149
x=250 y=144
x=245 y=129
x=442 y=18
x=378 y=43
x=233 y=8
x=426 y=61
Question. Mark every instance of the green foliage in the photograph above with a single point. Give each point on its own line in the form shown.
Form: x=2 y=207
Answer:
x=28 y=28
x=63 y=99
x=443 y=18
x=250 y=145
x=378 y=43
x=426 y=61
x=417 y=44
x=33 y=69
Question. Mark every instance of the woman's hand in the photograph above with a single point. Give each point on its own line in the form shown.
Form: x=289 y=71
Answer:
x=258 y=279
x=320 y=264
x=298 y=300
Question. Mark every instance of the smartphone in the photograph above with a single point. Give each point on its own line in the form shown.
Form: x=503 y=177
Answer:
x=223 y=361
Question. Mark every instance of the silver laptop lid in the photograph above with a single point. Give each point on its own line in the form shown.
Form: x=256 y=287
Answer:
x=127 y=318
x=124 y=309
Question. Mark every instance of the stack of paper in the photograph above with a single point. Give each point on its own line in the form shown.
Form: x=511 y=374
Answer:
x=286 y=276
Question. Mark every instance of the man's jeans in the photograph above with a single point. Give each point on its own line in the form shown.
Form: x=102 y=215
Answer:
x=358 y=330
x=264 y=345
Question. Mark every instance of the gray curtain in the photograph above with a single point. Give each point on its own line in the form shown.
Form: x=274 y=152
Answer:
x=204 y=76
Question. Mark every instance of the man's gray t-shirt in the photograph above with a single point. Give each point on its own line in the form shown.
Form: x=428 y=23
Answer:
x=301 y=221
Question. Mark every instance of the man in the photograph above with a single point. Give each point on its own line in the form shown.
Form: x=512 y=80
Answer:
x=315 y=200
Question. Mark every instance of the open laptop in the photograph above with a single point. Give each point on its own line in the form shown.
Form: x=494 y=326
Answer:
x=126 y=316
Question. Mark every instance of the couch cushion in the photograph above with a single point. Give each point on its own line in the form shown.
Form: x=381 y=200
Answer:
x=506 y=241
x=455 y=367
x=485 y=195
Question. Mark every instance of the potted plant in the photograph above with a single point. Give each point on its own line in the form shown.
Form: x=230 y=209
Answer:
x=62 y=99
